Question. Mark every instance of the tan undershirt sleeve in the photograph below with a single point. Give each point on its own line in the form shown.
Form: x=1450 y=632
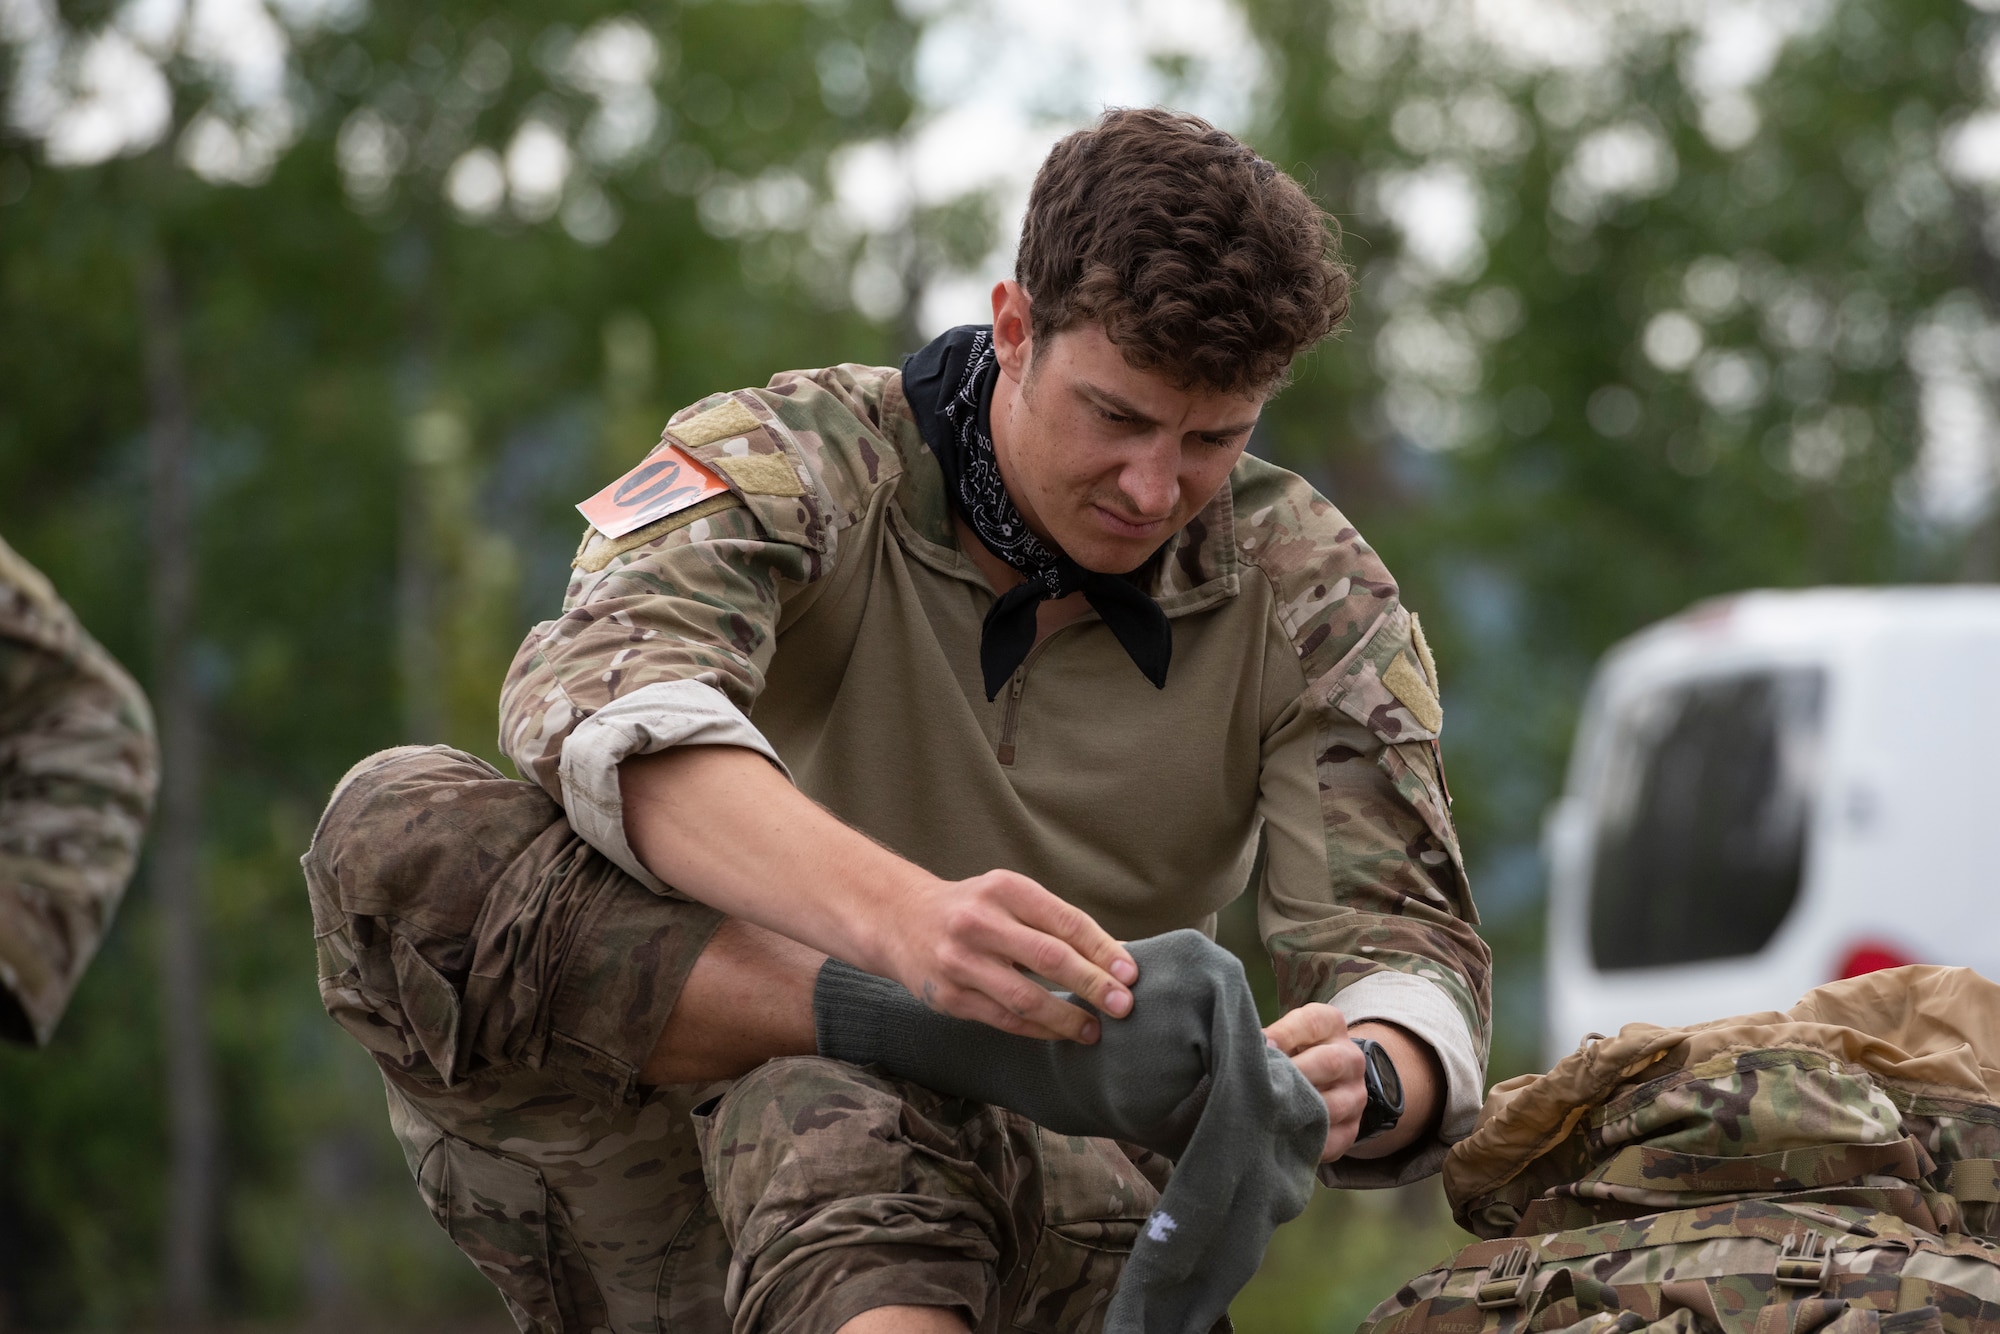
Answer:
x=1421 y=1006
x=652 y=718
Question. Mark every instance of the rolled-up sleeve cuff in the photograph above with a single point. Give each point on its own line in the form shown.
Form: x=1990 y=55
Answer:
x=653 y=718
x=1421 y=1007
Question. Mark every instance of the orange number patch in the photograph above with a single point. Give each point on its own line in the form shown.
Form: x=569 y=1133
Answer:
x=667 y=482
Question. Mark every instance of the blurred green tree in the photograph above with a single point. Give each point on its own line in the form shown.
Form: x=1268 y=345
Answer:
x=421 y=277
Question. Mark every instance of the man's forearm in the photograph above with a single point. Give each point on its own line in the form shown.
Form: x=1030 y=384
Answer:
x=721 y=825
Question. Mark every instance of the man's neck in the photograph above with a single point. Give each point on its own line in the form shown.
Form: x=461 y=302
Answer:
x=1000 y=576
x=1001 y=423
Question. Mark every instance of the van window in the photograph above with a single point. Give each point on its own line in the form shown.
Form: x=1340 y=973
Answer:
x=1702 y=819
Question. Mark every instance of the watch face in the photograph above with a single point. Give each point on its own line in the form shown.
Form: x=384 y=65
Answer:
x=1385 y=1090
x=1385 y=1073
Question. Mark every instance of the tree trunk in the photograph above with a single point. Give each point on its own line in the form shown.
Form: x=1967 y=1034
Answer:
x=419 y=652
x=176 y=864
x=420 y=575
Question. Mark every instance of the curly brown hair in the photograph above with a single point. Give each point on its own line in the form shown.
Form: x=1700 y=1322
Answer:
x=1200 y=259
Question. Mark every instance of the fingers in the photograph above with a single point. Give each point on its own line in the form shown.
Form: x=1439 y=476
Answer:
x=1307 y=1026
x=967 y=947
x=1001 y=926
x=1315 y=1037
x=1035 y=1011
x=1075 y=1026
x=1061 y=942
x=1331 y=1067
x=968 y=951
x=1343 y=1123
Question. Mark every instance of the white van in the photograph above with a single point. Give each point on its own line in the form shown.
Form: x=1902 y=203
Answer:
x=1773 y=790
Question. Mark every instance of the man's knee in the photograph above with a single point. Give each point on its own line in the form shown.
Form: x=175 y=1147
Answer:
x=804 y=1134
x=842 y=1192
x=462 y=926
x=845 y=1193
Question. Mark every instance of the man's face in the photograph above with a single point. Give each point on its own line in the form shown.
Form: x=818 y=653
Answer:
x=1103 y=460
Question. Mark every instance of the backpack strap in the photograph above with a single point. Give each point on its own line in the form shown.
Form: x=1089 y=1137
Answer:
x=1973 y=1180
x=1667 y=1179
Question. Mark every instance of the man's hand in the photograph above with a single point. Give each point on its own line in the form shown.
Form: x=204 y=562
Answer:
x=724 y=827
x=1320 y=1043
x=964 y=943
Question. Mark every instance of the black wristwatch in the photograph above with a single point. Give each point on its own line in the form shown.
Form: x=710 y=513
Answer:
x=1385 y=1090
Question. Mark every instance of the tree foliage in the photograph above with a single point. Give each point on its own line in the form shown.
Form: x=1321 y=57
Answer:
x=440 y=276
x=1657 y=302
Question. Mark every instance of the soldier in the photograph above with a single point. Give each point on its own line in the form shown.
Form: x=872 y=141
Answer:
x=77 y=771
x=957 y=674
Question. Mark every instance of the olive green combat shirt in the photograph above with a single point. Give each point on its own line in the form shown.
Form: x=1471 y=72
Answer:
x=823 y=614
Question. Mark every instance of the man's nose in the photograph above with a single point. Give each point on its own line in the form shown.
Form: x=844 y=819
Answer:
x=1151 y=479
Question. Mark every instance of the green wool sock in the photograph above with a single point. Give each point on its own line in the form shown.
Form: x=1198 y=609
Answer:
x=1187 y=1074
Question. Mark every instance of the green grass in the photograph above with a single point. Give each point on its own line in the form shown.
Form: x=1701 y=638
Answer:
x=1328 y=1268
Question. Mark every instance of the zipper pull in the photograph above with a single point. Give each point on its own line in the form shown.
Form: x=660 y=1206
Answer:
x=1007 y=720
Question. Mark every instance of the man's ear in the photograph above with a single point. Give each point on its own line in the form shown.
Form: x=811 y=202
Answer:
x=1013 y=330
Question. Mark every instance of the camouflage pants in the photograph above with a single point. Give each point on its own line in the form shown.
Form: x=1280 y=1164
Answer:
x=510 y=981
x=788 y=1201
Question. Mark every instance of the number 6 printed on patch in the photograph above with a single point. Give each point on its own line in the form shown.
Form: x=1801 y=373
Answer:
x=666 y=482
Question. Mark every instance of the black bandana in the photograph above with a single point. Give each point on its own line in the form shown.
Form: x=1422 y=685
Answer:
x=949 y=385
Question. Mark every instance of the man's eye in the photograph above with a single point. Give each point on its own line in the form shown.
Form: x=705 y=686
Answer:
x=1116 y=418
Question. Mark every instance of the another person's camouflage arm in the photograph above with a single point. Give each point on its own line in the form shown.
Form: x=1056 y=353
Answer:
x=77 y=772
x=1365 y=902
x=666 y=634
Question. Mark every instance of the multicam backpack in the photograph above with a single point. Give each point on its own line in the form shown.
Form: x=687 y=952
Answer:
x=1835 y=1168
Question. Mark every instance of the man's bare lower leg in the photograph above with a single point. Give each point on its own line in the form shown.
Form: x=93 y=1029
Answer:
x=907 y=1320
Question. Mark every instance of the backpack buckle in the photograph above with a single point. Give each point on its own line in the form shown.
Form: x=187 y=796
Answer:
x=1505 y=1281
x=1804 y=1261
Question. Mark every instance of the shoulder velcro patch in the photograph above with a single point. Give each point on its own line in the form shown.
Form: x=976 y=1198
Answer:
x=760 y=474
x=718 y=423
x=599 y=551
x=1423 y=648
x=1381 y=685
x=1412 y=688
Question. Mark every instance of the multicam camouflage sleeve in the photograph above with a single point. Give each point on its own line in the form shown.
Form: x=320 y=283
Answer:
x=1365 y=901
x=667 y=632
x=77 y=772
